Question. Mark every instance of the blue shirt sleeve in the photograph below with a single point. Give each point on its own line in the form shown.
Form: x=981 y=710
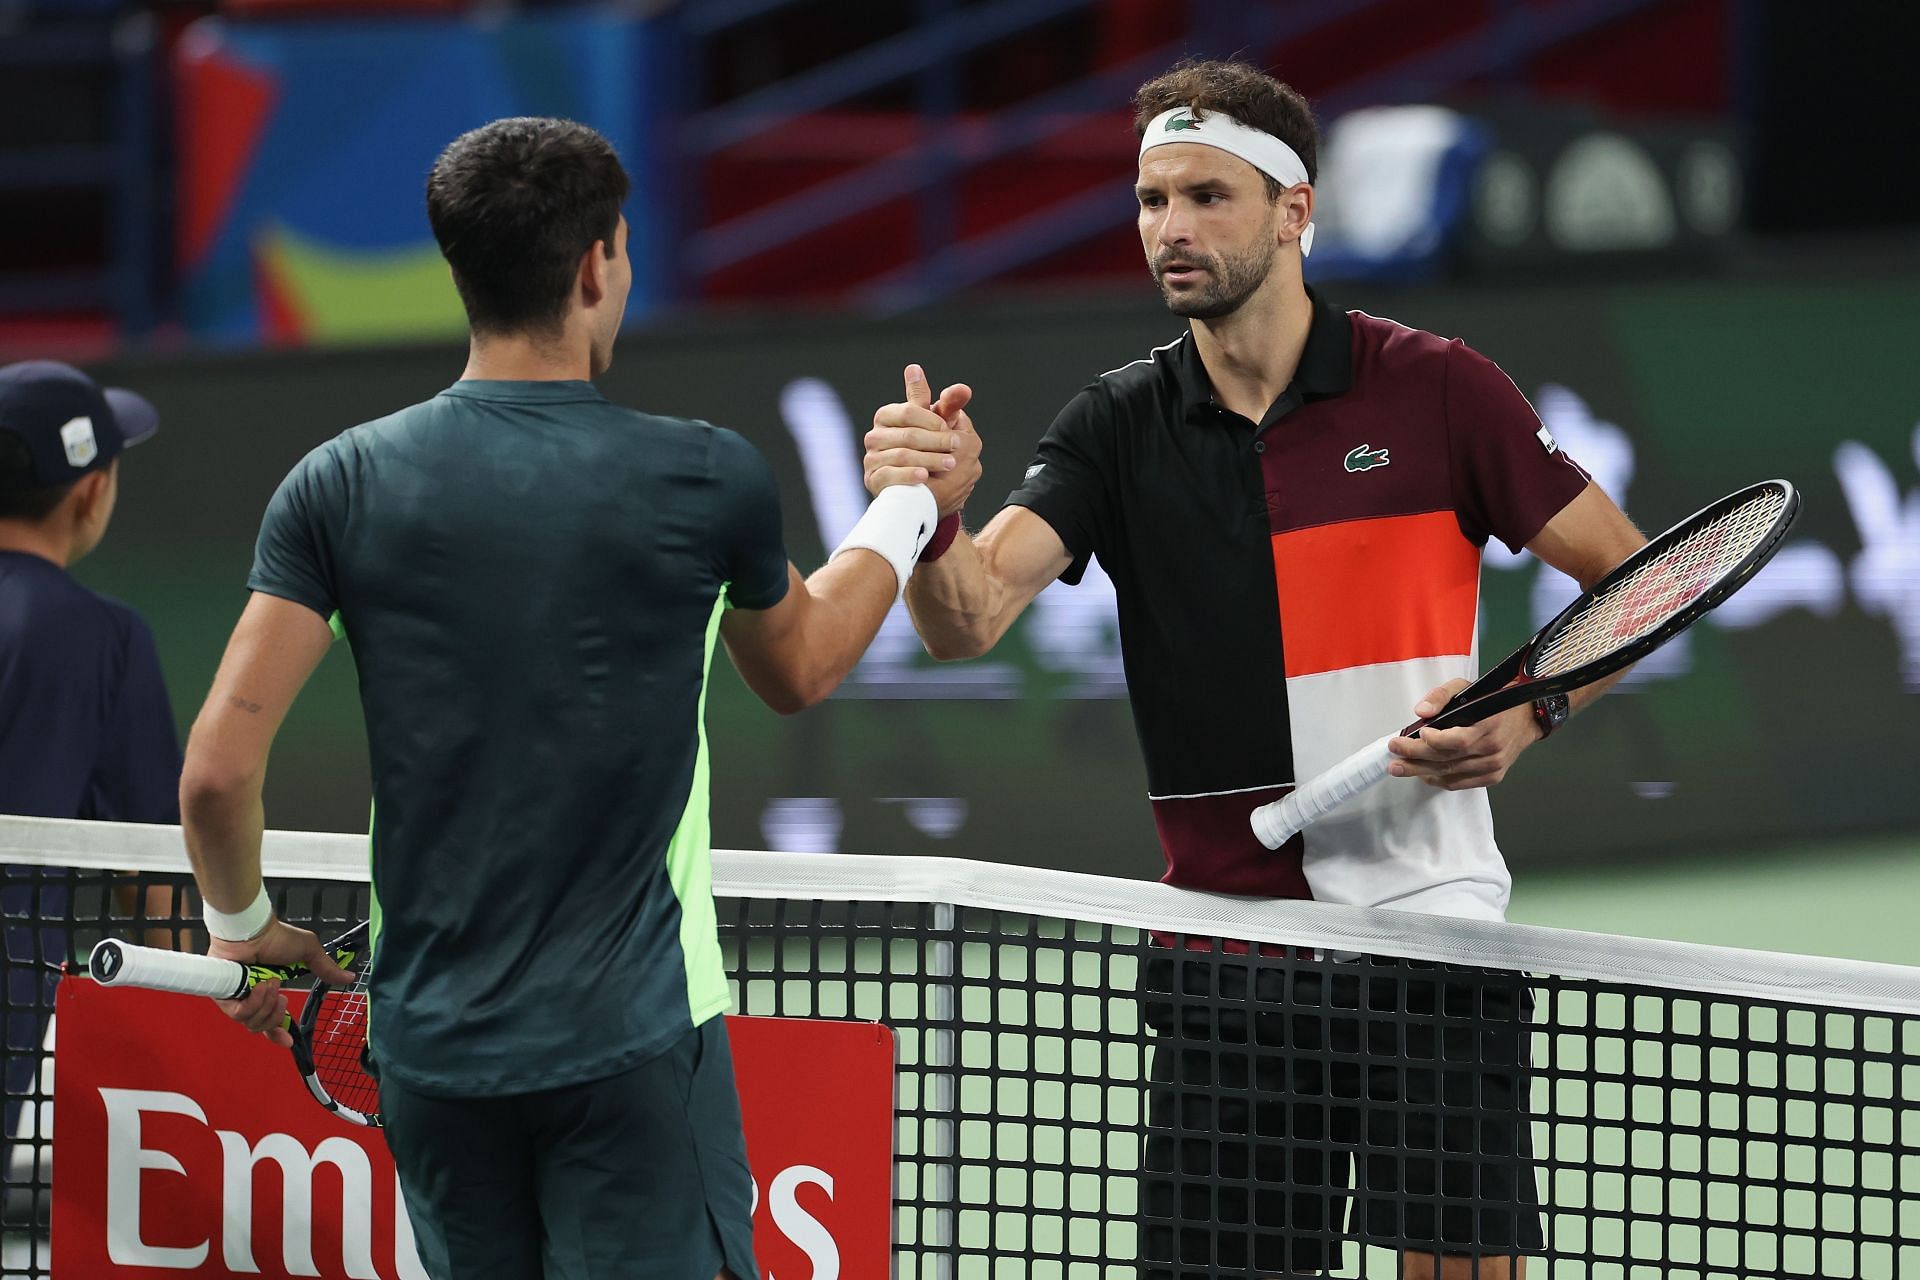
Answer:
x=293 y=558
x=137 y=774
x=753 y=553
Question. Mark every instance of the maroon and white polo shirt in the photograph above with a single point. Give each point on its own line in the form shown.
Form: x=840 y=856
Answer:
x=1288 y=590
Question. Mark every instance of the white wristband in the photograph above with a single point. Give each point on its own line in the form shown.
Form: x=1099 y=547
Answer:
x=239 y=926
x=896 y=526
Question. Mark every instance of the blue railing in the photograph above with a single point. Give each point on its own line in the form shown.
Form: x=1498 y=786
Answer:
x=947 y=148
x=929 y=52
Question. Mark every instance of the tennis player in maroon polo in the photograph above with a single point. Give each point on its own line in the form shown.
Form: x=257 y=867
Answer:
x=1291 y=500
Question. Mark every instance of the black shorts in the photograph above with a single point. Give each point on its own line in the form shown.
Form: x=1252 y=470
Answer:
x=1411 y=1104
x=639 y=1174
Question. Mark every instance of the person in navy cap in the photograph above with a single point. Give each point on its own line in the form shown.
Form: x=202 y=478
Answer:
x=85 y=727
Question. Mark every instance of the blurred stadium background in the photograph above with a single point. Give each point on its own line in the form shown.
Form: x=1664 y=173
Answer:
x=1685 y=227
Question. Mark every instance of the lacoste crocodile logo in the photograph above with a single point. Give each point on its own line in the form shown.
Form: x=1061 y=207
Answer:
x=1366 y=459
x=1178 y=123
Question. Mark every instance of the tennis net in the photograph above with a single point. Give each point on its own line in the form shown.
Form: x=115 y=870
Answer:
x=1102 y=1078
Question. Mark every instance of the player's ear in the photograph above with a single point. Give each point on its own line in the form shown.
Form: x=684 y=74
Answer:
x=594 y=266
x=1294 y=210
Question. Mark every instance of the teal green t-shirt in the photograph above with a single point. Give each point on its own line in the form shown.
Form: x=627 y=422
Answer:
x=532 y=580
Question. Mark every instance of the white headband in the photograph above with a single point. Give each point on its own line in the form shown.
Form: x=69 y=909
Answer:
x=1218 y=129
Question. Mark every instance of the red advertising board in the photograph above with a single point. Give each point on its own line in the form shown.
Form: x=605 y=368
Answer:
x=187 y=1147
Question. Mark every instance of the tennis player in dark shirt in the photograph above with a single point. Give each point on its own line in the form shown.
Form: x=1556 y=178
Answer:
x=1292 y=500
x=534 y=581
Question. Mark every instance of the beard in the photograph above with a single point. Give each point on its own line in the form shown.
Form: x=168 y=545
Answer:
x=1231 y=280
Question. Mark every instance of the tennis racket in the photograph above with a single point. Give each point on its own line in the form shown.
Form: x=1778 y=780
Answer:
x=1648 y=599
x=329 y=1036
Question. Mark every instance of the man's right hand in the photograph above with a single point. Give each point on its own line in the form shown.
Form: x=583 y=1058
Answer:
x=264 y=1010
x=925 y=441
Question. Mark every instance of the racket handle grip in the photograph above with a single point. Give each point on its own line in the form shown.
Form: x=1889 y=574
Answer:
x=1281 y=821
x=122 y=964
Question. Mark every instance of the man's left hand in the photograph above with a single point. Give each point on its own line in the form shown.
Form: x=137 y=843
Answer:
x=1473 y=755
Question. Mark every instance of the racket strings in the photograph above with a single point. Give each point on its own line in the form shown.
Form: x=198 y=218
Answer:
x=1652 y=594
x=339 y=1039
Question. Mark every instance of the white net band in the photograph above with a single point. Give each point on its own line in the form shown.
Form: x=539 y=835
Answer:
x=1323 y=926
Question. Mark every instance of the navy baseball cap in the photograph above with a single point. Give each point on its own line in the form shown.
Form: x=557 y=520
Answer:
x=71 y=424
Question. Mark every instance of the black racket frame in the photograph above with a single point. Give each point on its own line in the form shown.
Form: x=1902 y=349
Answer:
x=1510 y=684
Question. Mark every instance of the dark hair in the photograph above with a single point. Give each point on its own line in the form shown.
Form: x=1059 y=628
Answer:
x=1246 y=93
x=514 y=205
x=21 y=496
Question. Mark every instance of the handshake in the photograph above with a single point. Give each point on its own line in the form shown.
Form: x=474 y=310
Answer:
x=925 y=441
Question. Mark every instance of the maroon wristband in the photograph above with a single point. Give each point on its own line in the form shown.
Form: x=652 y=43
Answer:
x=943 y=535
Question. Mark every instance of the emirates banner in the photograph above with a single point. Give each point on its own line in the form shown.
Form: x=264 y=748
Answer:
x=188 y=1147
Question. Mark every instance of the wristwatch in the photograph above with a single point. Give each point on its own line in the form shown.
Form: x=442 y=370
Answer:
x=1551 y=713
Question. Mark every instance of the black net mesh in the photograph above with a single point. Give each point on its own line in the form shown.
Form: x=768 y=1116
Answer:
x=1084 y=1099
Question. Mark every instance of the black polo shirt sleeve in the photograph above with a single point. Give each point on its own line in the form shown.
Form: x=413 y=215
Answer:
x=136 y=777
x=753 y=554
x=1066 y=484
x=293 y=557
x=1509 y=474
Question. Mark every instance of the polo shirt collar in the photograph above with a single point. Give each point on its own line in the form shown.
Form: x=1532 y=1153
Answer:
x=1326 y=366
